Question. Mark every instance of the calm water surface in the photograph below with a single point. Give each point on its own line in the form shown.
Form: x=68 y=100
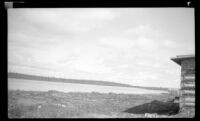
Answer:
x=33 y=85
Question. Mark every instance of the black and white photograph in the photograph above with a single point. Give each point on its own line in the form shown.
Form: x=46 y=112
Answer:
x=134 y=62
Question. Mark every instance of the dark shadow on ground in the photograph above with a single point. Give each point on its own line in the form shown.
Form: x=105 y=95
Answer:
x=161 y=108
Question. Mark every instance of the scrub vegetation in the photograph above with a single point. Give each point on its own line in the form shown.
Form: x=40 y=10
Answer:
x=54 y=104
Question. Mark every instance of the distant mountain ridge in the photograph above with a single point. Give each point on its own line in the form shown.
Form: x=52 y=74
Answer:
x=77 y=81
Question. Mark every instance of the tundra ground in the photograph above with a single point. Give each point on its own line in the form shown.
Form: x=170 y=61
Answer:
x=54 y=104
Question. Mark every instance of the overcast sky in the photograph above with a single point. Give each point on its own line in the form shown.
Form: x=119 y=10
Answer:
x=125 y=45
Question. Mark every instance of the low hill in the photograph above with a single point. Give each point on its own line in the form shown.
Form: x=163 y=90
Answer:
x=78 y=81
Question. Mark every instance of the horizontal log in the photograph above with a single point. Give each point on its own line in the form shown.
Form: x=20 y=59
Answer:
x=187 y=88
x=189 y=99
x=188 y=71
x=188 y=77
x=188 y=63
x=187 y=81
x=187 y=92
x=188 y=104
x=188 y=84
x=188 y=66
x=184 y=100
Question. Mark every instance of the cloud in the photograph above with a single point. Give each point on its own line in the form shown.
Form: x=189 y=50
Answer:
x=147 y=44
x=63 y=20
x=117 y=42
x=142 y=37
x=95 y=14
x=147 y=76
x=148 y=64
x=87 y=65
x=171 y=44
x=143 y=30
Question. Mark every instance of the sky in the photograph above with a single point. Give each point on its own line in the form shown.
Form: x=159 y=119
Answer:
x=123 y=45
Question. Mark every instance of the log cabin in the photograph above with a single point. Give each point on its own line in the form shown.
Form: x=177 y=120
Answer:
x=187 y=83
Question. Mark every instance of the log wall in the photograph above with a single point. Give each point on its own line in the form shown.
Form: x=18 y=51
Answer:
x=187 y=91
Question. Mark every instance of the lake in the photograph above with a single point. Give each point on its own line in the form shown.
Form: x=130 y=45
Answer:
x=33 y=85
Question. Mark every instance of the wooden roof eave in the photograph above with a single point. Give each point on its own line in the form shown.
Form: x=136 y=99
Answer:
x=178 y=59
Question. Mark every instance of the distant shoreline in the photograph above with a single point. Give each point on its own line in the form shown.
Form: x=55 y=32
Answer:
x=77 y=81
x=36 y=85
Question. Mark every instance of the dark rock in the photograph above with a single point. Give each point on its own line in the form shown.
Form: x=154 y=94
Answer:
x=162 y=108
